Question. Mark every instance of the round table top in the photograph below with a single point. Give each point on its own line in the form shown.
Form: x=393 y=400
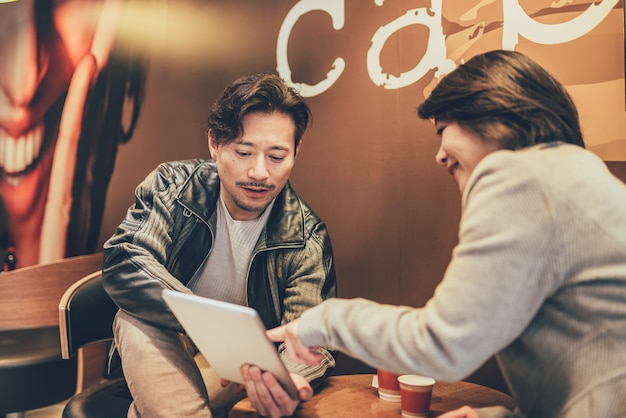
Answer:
x=354 y=396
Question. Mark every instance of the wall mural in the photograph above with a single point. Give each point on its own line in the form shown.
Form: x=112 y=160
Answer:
x=73 y=77
x=60 y=123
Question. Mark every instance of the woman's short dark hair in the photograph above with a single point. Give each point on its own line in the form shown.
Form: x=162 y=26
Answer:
x=266 y=93
x=506 y=98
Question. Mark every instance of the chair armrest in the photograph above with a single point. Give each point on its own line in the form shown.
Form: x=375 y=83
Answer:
x=86 y=314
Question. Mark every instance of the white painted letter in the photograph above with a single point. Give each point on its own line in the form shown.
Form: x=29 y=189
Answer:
x=435 y=56
x=517 y=22
x=336 y=11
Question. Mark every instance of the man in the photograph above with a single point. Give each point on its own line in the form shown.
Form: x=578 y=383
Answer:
x=231 y=229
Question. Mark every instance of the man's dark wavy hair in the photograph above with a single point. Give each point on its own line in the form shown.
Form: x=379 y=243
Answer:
x=266 y=93
x=506 y=98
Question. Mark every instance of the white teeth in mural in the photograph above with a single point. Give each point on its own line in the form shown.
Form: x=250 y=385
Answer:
x=17 y=154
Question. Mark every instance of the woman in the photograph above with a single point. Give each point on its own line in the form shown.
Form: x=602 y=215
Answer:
x=538 y=277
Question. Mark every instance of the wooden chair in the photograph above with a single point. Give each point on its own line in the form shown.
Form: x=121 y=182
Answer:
x=86 y=314
x=32 y=372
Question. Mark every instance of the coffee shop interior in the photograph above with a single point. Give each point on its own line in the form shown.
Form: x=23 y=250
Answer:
x=95 y=94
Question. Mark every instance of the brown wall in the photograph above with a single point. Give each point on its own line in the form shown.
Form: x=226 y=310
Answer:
x=618 y=169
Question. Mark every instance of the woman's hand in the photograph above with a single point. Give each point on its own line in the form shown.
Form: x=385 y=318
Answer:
x=297 y=351
x=463 y=412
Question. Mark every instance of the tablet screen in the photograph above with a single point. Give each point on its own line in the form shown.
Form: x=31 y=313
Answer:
x=228 y=335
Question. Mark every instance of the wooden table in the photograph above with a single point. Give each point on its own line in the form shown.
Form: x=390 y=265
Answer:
x=354 y=396
x=29 y=296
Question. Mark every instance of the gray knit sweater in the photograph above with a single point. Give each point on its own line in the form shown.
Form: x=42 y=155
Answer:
x=538 y=278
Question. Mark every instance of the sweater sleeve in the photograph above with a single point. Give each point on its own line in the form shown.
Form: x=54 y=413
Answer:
x=500 y=273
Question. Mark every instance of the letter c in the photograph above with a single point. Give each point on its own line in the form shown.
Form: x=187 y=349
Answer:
x=335 y=8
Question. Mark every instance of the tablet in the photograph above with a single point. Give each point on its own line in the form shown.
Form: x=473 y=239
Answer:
x=228 y=335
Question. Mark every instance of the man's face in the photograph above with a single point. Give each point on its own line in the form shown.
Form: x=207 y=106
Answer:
x=255 y=167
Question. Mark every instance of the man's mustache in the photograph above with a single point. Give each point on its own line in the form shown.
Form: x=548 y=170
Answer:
x=255 y=185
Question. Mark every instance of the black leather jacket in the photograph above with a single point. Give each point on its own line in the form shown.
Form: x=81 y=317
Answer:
x=168 y=232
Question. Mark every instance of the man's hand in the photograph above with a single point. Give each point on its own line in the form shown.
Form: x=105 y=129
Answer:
x=464 y=412
x=268 y=396
x=297 y=351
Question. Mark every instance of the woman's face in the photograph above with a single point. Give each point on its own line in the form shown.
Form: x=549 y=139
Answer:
x=460 y=151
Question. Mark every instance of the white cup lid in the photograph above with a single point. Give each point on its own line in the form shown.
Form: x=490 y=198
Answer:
x=416 y=380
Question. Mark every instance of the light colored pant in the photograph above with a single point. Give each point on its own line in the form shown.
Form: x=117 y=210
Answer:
x=165 y=376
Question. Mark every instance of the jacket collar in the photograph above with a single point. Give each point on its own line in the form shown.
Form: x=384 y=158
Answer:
x=285 y=224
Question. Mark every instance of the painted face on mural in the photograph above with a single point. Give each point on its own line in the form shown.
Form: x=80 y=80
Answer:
x=255 y=167
x=42 y=45
x=460 y=151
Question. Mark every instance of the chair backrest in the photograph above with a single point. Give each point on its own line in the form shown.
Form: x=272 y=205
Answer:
x=29 y=296
x=86 y=314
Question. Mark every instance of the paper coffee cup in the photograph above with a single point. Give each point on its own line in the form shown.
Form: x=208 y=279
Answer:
x=388 y=386
x=415 y=394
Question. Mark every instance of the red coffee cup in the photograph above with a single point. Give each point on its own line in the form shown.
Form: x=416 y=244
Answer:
x=388 y=386
x=415 y=394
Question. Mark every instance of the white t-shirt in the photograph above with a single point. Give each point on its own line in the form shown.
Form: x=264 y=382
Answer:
x=224 y=274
